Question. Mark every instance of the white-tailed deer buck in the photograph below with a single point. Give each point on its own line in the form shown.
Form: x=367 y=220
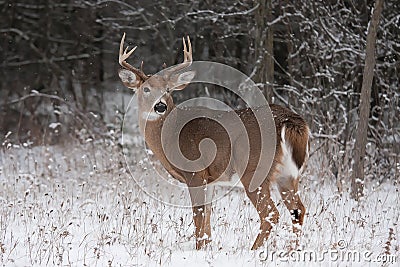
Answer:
x=155 y=103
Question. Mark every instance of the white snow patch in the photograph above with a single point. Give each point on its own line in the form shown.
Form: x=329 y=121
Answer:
x=54 y=125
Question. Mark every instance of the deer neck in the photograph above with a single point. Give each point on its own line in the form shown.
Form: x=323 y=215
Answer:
x=152 y=136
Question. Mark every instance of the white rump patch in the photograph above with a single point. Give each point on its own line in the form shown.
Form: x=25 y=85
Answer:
x=288 y=168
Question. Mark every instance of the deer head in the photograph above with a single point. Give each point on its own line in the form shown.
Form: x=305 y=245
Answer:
x=154 y=91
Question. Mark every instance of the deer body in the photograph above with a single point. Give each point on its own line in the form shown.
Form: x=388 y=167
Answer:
x=290 y=156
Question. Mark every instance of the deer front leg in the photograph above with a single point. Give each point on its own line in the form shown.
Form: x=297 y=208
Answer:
x=201 y=216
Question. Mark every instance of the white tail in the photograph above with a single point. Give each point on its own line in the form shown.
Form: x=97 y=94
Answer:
x=155 y=103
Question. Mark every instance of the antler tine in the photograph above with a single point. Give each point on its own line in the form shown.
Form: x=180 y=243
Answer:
x=187 y=50
x=124 y=54
x=184 y=50
x=187 y=57
x=190 y=58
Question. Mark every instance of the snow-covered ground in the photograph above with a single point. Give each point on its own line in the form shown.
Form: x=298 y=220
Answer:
x=78 y=205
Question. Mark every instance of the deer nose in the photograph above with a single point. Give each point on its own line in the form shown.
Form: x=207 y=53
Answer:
x=160 y=107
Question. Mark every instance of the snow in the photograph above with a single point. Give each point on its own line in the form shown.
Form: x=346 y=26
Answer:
x=77 y=205
x=54 y=125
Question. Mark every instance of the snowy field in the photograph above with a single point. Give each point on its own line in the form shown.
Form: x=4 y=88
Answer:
x=79 y=205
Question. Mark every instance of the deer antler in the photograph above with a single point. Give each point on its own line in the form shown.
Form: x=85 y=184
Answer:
x=187 y=57
x=123 y=55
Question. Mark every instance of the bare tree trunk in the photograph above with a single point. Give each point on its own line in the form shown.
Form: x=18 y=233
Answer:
x=264 y=45
x=357 y=179
x=269 y=57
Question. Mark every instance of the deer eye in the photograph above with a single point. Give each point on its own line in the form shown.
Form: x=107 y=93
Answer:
x=146 y=90
x=160 y=107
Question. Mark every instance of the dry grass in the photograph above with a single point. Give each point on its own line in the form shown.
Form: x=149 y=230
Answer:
x=77 y=205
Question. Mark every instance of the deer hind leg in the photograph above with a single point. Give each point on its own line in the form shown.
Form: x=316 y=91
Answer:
x=201 y=216
x=266 y=209
x=288 y=188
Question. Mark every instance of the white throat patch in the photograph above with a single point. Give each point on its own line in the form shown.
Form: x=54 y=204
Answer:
x=150 y=116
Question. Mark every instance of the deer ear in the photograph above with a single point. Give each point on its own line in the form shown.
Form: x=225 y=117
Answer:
x=129 y=79
x=182 y=80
